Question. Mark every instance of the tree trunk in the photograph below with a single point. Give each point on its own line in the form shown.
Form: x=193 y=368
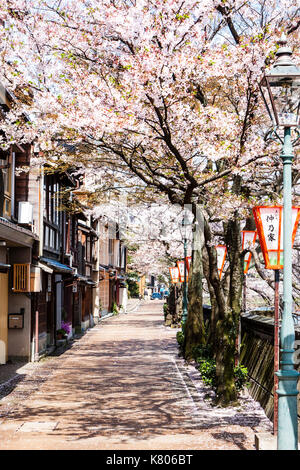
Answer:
x=229 y=317
x=194 y=327
x=211 y=327
x=174 y=312
x=226 y=311
x=178 y=304
x=171 y=311
x=226 y=393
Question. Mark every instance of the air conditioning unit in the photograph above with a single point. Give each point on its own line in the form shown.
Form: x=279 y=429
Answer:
x=25 y=213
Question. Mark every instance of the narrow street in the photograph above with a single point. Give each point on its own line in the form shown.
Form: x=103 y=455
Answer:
x=121 y=386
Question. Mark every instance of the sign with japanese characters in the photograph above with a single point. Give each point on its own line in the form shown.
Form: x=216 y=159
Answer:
x=248 y=240
x=181 y=265
x=174 y=273
x=269 y=223
x=221 y=256
x=188 y=262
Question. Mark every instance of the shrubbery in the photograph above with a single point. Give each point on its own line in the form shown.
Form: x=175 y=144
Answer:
x=115 y=309
x=201 y=352
x=207 y=365
x=166 y=310
x=180 y=340
x=207 y=368
x=241 y=376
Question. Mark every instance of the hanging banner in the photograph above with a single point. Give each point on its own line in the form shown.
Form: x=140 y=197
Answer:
x=221 y=256
x=248 y=240
x=269 y=224
x=181 y=265
x=188 y=260
x=174 y=273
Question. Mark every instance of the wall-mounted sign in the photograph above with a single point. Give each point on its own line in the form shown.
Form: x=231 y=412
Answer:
x=15 y=321
x=74 y=286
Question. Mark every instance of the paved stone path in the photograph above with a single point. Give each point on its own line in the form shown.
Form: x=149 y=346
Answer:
x=122 y=386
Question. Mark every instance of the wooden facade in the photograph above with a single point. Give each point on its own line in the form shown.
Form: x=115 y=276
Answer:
x=55 y=264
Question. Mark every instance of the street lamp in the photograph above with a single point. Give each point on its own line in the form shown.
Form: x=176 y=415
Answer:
x=280 y=89
x=268 y=220
x=184 y=225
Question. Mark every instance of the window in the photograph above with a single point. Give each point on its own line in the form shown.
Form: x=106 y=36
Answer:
x=21 y=280
x=52 y=214
x=51 y=237
x=110 y=252
x=5 y=187
x=51 y=200
x=88 y=249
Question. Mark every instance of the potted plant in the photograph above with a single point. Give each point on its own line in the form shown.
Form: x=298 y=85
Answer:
x=60 y=334
x=66 y=327
x=64 y=331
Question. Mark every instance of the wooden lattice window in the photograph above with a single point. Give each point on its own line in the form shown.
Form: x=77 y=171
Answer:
x=21 y=281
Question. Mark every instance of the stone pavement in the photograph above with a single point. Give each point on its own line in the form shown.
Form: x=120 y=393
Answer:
x=133 y=304
x=122 y=386
x=13 y=371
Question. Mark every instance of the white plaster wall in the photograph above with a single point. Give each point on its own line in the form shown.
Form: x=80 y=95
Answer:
x=19 y=339
x=123 y=298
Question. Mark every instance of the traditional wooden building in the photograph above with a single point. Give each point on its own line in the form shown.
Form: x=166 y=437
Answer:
x=19 y=237
x=111 y=253
x=57 y=263
x=84 y=270
x=56 y=272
